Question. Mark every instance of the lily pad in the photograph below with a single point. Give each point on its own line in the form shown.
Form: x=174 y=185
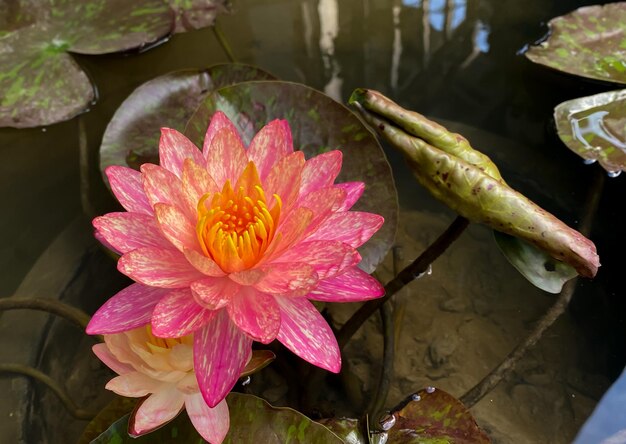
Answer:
x=132 y=136
x=41 y=84
x=538 y=267
x=259 y=360
x=594 y=127
x=472 y=189
x=117 y=408
x=588 y=42
x=348 y=429
x=319 y=124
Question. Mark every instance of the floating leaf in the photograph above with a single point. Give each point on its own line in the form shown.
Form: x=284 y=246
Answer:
x=117 y=408
x=196 y=14
x=254 y=420
x=132 y=136
x=588 y=42
x=318 y=124
x=470 y=191
x=259 y=360
x=594 y=127
x=348 y=429
x=538 y=267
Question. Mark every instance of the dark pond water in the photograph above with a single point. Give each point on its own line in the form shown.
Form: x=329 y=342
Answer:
x=454 y=60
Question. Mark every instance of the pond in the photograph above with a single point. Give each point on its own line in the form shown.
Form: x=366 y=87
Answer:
x=460 y=63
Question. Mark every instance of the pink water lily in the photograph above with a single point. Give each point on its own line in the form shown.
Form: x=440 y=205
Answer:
x=232 y=244
x=162 y=370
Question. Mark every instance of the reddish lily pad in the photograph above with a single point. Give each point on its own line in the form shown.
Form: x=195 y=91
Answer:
x=318 y=124
x=470 y=188
x=132 y=136
x=259 y=360
x=588 y=42
x=594 y=127
x=196 y=14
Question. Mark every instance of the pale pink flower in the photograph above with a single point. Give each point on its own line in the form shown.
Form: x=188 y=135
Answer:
x=162 y=369
x=232 y=244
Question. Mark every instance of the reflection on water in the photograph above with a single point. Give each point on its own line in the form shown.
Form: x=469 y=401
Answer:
x=593 y=125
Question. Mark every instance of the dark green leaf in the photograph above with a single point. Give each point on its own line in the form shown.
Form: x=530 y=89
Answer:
x=348 y=429
x=588 y=42
x=535 y=265
x=252 y=420
x=117 y=408
x=472 y=192
x=318 y=124
x=594 y=127
x=132 y=136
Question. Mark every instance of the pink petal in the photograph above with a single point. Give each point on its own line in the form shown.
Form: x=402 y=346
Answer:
x=304 y=331
x=320 y=171
x=133 y=385
x=158 y=268
x=352 y=285
x=127 y=188
x=322 y=203
x=328 y=258
x=286 y=278
x=177 y=315
x=203 y=264
x=214 y=293
x=211 y=423
x=220 y=353
x=269 y=145
x=162 y=186
x=130 y=308
x=226 y=157
x=289 y=232
x=176 y=227
x=218 y=122
x=284 y=180
x=196 y=182
x=353 y=190
x=351 y=227
x=103 y=353
x=174 y=148
x=158 y=409
x=129 y=231
x=247 y=277
x=256 y=314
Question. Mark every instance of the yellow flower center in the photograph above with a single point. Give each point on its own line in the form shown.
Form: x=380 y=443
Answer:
x=235 y=226
x=159 y=345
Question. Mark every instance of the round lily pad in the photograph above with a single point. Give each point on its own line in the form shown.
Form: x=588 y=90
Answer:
x=588 y=42
x=132 y=136
x=318 y=124
x=594 y=127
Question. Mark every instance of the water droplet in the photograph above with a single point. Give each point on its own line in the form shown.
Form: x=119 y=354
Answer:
x=430 y=389
x=416 y=397
x=387 y=421
x=614 y=173
x=589 y=161
x=379 y=437
x=246 y=381
x=430 y=270
x=43 y=130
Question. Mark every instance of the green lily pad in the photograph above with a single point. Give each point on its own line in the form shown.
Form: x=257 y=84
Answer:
x=41 y=84
x=594 y=127
x=534 y=264
x=132 y=136
x=588 y=42
x=319 y=124
x=120 y=406
x=252 y=420
x=348 y=429
x=473 y=189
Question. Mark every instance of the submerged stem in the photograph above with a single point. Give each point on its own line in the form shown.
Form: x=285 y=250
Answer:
x=406 y=276
x=72 y=314
x=509 y=363
x=221 y=38
x=31 y=372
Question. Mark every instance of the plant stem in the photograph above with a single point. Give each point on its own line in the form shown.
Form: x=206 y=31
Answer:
x=406 y=276
x=72 y=314
x=386 y=372
x=31 y=372
x=221 y=38
x=509 y=363
x=85 y=187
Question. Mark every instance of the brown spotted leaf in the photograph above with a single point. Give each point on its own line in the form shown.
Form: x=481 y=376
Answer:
x=594 y=127
x=472 y=192
x=588 y=42
x=196 y=14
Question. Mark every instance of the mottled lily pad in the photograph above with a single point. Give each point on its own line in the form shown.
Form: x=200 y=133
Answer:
x=534 y=264
x=594 y=127
x=117 y=408
x=41 y=84
x=319 y=124
x=252 y=420
x=588 y=42
x=348 y=429
x=454 y=173
x=132 y=136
